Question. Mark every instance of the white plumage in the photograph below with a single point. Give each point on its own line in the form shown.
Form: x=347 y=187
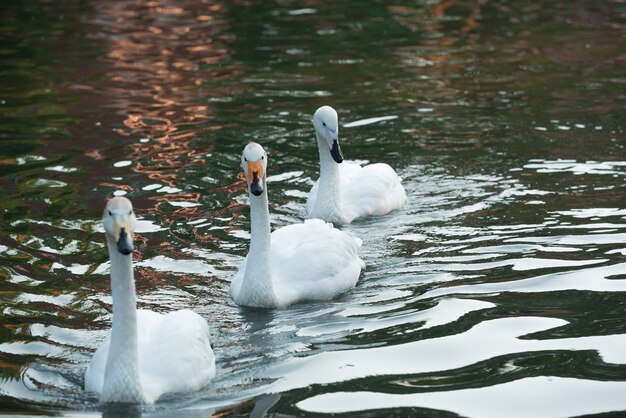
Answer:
x=146 y=354
x=308 y=261
x=346 y=191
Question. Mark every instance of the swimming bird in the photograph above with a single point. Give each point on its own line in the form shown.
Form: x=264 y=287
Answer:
x=345 y=190
x=299 y=262
x=146 y=354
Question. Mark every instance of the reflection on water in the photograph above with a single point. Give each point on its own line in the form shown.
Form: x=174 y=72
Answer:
x=524 y=397
x=500 y=283
x=164 y=62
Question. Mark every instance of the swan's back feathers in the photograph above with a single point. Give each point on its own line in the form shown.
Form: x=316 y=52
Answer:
x=372 y=190
x=310 y=203
x=313 y=261
x=175 y=354
x=309 y=261
x=94 y=376
x=237 y=281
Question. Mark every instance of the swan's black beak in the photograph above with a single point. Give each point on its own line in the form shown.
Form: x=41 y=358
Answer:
x=124 y=244
x=256 y=188
x=335 y=151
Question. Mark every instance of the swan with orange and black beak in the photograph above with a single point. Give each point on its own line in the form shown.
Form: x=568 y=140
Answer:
x=254 y=164
x=272 y=275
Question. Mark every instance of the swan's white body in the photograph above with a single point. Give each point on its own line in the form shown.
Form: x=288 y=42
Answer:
x=346 y=191
x=309 y=261
x=371 y=190
x=146 y=354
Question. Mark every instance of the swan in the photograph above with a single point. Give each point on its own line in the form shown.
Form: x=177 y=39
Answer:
x=300 y=262
x=348 y=191
x=146 y=354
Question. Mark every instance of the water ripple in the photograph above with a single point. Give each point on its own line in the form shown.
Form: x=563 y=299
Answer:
x=437 y=354
x=542 y=396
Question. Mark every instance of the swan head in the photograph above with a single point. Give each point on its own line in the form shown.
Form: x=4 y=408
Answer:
x=119 y=223
x=254 y=164
x=326 y=124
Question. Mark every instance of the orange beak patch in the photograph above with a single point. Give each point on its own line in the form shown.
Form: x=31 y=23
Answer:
x=255 y=167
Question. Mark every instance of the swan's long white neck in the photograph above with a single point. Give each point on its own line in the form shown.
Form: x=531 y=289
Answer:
x=121 y=376
x=257 y=289
x=328 y=202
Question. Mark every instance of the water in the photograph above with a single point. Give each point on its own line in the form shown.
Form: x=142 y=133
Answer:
x=498 y=290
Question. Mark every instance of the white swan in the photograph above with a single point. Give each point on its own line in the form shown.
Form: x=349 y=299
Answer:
x=146 y=354
x=345 y=192
x=308 y=261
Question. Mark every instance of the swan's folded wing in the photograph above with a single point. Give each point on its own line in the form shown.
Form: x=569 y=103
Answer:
x=313 y=261
x=94 y=376
x=236 y=282
x=179 y=357
x=372 y=190
x=310 y=203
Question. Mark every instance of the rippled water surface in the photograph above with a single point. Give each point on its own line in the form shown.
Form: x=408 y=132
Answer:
x=499 y=290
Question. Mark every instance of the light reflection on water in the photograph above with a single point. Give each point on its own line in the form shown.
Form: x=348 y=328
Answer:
x=503 y=275
x=439 y=354
x=521 y=398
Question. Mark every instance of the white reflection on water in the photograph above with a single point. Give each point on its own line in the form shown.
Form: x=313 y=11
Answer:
x=593 y=212
x=59 y=300
x=437 y=354
x=78 y=269
x=521 y=264
x=543 y=396
x=574 y=239
x=596 y=279
x=446 y=311
x=369 y=121
x=34 y=348
x=61 y=335
x=589 y=167
x=61 y=169
x=183 y=204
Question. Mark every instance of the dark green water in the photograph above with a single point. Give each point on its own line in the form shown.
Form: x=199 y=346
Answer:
x=499 y=290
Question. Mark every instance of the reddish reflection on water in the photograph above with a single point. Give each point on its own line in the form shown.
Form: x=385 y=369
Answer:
x=161 y=56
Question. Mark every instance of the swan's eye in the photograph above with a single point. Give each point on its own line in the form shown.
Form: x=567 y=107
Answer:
x=262 y=157
x=130 y=212
x=245 y=159
x=324 y=123
x=110 y=214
